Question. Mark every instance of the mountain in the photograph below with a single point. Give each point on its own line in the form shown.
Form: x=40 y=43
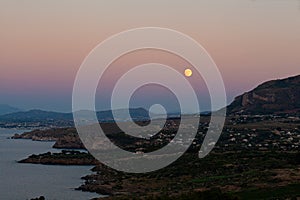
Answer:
x=272 y=97
x=136 y=114
x=6 y=109
x=54 y=117
x=35 y=116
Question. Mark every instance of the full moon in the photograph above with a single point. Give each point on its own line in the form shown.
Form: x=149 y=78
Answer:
x=188 y=72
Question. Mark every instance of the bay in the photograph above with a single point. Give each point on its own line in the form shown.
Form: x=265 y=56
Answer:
x=25 y=181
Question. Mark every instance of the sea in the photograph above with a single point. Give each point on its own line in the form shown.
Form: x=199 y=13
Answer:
x=26 y=181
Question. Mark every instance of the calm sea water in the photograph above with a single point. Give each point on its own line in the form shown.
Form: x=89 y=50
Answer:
x=26 y=181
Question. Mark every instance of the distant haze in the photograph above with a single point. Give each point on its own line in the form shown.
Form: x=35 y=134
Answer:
x=43 y=43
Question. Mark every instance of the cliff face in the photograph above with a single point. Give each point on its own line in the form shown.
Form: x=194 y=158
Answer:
x=272 y=97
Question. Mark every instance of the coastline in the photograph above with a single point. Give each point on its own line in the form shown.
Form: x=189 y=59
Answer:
x=32 y=180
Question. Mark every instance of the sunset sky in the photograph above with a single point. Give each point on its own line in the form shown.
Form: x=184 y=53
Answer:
x=43 y=43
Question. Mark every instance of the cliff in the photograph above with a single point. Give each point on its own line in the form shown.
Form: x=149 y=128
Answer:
x=272 y=97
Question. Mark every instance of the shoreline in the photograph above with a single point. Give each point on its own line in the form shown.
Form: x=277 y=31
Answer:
x=62 y=179
x=65 y=157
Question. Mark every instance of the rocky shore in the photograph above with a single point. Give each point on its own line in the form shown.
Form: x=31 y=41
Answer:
x=63 y=158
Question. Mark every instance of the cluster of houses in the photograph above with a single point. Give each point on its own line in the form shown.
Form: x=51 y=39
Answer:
x=257 y=132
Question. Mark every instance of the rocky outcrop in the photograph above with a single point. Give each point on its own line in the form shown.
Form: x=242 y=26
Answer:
x=69 y=142
x=272 y=97
x=65 y=138
x=63 y=158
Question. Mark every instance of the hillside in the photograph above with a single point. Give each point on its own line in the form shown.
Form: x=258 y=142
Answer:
x=272 y=97
x=6 y=109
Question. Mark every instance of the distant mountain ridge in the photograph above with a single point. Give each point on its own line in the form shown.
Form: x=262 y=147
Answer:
x=7 y=109
x=48 y=116
x=271 y=97
x=35 y=115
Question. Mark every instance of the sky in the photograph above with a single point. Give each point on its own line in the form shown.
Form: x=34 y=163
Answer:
x=43 y=43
